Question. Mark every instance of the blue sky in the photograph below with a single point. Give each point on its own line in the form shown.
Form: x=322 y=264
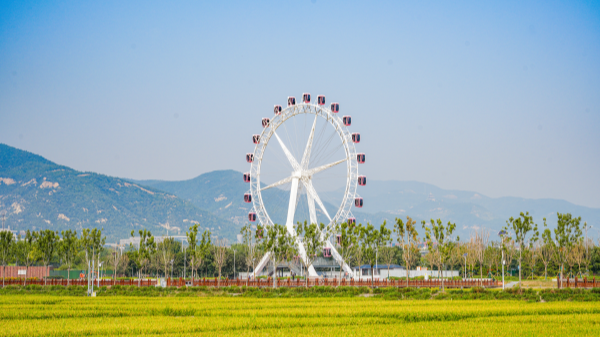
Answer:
x=497 y=97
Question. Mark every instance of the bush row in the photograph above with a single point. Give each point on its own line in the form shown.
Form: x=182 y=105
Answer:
x=531 y=295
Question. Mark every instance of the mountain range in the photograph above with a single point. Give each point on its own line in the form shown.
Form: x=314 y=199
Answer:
x=37 y=193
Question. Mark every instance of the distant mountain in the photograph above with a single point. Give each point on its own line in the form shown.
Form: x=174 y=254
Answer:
x=469 y=210
x=221 y=192
x=37 y=193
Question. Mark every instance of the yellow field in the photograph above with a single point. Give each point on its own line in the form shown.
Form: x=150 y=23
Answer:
x=31 y=315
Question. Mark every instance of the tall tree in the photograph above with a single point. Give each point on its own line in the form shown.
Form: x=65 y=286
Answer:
x=117 y=259
x=369 y=240
x=521 y=226
x=92 y=242
x=202 y=250
x=46 y=244
x=346 y=236
x=273 y=239
x=310 y=236
x=249 y=247
x=68 y=249
x=442 y=235
x=142 y=255
x=6 y=248
x=166 y=253
x=407 y=238
x=547 y=249
x=192 y=238
x=566 y=234
x=26 y=251
x=219 y=249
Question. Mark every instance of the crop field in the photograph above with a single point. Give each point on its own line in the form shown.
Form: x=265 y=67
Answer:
x=31 y=315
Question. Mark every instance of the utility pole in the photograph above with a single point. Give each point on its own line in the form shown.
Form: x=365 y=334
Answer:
x=233 y=262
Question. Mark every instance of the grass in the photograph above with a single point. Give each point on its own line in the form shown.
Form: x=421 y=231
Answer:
x=47 y=315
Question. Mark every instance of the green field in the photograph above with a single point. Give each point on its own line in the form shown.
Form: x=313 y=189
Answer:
x=30 y=315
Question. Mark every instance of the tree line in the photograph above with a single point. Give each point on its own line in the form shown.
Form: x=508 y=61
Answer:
x=521 y=246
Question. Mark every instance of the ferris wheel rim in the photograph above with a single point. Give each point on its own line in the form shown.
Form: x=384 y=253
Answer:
x=343 y=211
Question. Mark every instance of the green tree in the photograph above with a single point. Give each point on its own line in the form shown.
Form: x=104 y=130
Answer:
x=68 y=248
x=346 y=241
x=442 y=235
x=202 y=249
x=46 y=243
x=274 y=242
x=26 y=251
x=249 y=248
x=192 y=238
x=309 y=236
x=6 y=249
x=167 y=254
x=521 y=226
x=566 y=234
x=92 y=243
x=547 y=249
x=369 y=240
x=407 y=238
x=142 y=255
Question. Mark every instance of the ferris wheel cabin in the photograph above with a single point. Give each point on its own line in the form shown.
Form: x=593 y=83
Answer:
x=360 y=157
x=265 y=122
x=250 y=157
x=356 y=137
x=347 y=120
x=256 y=139
x=351 y=221
x=321 y=100
x=247 y=198
x=291 y=101
x=252 y=216
x=362 y=180
x=335 y=107
x=326 y=252
x=305 y=97
x=339 y=240
x=358 y=202
x=277 y=109
x=247 y=177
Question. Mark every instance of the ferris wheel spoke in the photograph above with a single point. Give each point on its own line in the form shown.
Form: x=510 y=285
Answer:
x=308 y=149
x=311 y=190
x=279 y=183
x=288 y=154
x=324 y=167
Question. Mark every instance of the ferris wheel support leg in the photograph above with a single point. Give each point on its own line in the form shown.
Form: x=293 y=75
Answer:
x=290 y=224
x=338 y=258
x=263 y=262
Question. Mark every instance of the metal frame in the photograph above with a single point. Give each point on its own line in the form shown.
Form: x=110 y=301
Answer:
x=302 y=174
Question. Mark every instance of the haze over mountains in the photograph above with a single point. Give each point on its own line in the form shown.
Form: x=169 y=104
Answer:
x=37 y=193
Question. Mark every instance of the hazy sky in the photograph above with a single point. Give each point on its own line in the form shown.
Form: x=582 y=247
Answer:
x=501 y=98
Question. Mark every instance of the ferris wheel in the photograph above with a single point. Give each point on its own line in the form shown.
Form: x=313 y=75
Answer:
x=302 y=168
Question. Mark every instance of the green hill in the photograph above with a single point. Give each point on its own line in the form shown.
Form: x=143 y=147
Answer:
x=37 y=193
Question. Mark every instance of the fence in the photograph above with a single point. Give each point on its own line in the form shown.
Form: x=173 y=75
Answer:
x=82 y=282
x=262 y=283
x=577 y=283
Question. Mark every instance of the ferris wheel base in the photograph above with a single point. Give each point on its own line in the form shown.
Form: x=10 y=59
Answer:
x=266 y=258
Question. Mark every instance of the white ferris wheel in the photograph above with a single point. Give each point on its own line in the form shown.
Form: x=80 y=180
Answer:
x=309 y=156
